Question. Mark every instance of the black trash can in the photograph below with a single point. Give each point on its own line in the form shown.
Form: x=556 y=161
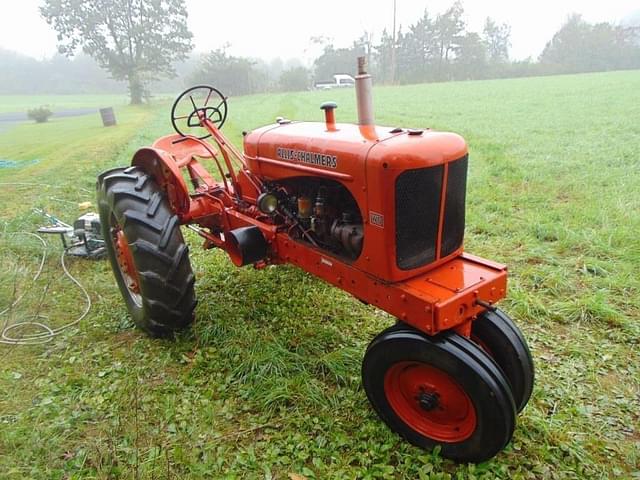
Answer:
x=108 y=116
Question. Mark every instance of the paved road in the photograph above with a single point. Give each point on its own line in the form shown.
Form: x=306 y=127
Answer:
x=10 y=119
x=14 y=117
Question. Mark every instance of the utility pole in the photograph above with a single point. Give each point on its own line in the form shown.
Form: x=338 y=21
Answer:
x=393 y=46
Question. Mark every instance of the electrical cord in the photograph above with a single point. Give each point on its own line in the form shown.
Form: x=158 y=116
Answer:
x=47 y=333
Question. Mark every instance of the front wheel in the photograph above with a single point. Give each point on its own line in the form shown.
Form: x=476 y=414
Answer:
x=499 y=336
x=441 y=390
x=147 y=251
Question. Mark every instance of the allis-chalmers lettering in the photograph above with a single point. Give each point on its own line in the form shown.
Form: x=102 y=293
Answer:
x=330 y=161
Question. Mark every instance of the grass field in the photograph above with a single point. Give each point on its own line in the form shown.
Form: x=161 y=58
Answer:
x=266 y=384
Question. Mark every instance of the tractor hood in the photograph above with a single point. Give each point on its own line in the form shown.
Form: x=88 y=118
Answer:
x=341 y=152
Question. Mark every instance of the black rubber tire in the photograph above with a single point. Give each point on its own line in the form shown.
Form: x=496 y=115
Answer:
x=508 y=347
x=167 y=299
x=478 y=375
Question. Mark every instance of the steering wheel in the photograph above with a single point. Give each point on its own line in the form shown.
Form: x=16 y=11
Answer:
x=186 y=114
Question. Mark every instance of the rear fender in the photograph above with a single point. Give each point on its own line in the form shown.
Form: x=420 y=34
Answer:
x=162 y=167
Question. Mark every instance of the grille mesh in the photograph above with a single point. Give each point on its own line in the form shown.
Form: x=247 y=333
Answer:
x=417 y=215
x=453 y=227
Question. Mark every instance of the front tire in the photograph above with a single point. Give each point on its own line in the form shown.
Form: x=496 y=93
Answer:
x=499 y=336
x=440 y=390
x=147 y=252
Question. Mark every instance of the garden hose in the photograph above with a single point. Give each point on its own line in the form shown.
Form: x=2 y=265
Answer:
x=7 y=334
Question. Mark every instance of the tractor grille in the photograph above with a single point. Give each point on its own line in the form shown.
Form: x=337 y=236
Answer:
x=417 y=214
x=453 y=227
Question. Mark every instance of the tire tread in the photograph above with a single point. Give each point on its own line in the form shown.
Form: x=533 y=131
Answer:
x=160 y=254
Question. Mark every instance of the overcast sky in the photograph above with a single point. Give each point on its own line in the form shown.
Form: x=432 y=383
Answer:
x=282 y=28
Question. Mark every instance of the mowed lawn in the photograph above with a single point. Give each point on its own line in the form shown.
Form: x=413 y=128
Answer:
x=267 y=382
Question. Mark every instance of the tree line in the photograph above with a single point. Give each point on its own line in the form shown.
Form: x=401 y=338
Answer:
x=434 y=48
x=441 y=48
x=21 y=74
x=146 y=44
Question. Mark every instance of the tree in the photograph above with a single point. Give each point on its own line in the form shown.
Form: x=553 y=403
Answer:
x=231 y=75
x=404 y=57
x=420 y=50
x=582 y=47
x=565 y=52
x=498 y=40
x=383 y=57
x=294 y=79
x=449 y=30
x=135 y=40
x=471 y=60
x=337 y=60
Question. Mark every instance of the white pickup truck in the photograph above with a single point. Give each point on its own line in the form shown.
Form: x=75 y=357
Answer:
x=339 y=81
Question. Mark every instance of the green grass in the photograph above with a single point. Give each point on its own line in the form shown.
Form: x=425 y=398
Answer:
x=267 y=382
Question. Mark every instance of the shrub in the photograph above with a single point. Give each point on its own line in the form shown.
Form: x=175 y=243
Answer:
x=40 y=114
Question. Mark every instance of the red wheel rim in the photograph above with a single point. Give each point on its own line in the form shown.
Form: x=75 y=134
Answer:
x=125 y=262
x=430 y=401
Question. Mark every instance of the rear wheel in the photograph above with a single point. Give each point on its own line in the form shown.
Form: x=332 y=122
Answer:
x=441 y=390
x=147 y=251
x=499 y=336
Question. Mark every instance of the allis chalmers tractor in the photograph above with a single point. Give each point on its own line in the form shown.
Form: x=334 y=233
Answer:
x=378 y=212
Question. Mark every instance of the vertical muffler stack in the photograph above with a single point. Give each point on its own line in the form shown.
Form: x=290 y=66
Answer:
x=363 y=94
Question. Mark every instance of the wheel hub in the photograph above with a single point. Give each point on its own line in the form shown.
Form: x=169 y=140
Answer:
x=428 y=400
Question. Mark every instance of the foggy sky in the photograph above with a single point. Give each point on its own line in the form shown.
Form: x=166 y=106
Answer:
x=282 y=28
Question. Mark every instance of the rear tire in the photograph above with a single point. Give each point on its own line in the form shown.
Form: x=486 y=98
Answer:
x=441 y=390
x=147 y=252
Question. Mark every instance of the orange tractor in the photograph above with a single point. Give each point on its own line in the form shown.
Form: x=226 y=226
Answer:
x=378 y=212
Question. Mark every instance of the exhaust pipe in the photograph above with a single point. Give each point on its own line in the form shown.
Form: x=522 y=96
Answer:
x=363 y=94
